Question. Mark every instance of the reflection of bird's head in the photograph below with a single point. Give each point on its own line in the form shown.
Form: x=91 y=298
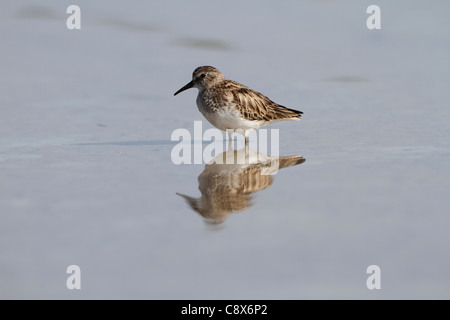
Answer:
x=217 y=204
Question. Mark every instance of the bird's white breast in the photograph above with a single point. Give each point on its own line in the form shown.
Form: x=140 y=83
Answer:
x=227 y=117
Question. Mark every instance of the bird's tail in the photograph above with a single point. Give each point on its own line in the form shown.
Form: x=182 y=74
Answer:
x=294 y=114
x=283 y=113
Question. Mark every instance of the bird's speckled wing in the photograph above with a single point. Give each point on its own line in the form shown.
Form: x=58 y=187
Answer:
x=255 y=106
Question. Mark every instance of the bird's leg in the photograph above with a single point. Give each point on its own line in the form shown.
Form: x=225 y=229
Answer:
x=230 y=140
x=246 y=133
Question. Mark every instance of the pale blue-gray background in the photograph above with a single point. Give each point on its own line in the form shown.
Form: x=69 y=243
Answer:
x=86 y=176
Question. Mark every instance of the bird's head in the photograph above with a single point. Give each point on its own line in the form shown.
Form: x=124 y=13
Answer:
x=203 y=77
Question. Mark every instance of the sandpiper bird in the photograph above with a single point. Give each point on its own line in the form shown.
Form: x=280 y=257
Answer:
x=227 y=104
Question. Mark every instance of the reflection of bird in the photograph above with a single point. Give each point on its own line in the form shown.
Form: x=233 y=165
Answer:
x=227 y=104
x=227 y=186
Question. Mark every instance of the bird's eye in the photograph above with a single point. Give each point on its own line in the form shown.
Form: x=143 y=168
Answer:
x=202 y=75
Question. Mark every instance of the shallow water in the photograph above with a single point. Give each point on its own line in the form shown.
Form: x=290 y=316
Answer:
x=86 y=176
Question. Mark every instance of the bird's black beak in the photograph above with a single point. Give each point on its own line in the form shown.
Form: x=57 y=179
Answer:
x=188 y=86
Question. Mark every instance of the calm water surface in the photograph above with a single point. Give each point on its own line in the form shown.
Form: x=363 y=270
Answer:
x=86 y=176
